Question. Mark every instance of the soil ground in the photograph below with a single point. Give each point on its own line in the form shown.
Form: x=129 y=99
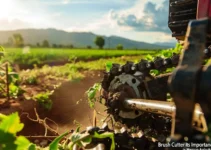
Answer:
x=69 y=104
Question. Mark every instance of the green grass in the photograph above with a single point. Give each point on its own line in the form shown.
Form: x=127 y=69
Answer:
x=40 y=56
x=70 y=71
x=100 y=64
x=47 y=73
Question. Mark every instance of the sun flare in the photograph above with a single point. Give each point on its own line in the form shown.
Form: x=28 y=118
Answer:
x=6 y=8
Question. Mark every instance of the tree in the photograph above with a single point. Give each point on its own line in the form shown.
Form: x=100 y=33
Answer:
x=54 y=46
x=18 y=40
x=89 y=47
x=60 y=46
x=38 y=44
x=45 y=43
x=119 y=47
x=99 y=41
x=71 y=46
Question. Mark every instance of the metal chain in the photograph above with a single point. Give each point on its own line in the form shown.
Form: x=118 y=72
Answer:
x=144 y=66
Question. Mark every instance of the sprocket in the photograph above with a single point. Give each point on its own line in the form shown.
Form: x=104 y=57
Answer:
x=134 y=81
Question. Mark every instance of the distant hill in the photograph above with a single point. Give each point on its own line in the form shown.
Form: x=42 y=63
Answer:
x=78 y=39
x=168 y=44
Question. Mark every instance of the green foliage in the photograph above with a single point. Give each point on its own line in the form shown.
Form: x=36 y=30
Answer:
x=108 y=66
x=42 y=56
x=55 y=144
x=178 y=48
x=44 y=100
x=45 y=43
x=76 y=139
x=2 y=51
x=154 y=72
x=22 y=143
x=13 y=79
x=9 y=127
x=164 y=54
x=15 y=90
x=54 y=46
x=38 y=44
x=168 y=70
x=91 y=93
x=89 y=47
x=11 y=124
x=99 y=41
x=71 y=46
x=149 y=57
x=119 y=47
x=83 y=139
x=46 y=74
x=18 y=40
x=169 y=52
x=32 y=80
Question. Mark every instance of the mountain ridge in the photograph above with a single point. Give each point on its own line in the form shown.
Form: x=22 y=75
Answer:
x=78 y=39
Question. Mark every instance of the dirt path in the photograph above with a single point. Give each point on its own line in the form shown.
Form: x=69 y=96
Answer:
x=70 y=103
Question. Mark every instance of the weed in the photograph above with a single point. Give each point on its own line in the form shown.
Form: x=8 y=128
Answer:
x=15 y=90
x=44 y=100
x=91 y=93
x=31 y=80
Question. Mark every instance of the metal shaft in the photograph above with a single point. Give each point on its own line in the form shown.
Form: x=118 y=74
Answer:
x=154 y=106
x=167 y=109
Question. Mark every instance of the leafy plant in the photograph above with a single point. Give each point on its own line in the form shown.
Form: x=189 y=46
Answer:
x=13 y=82
x=2 y=51
x=31 y=80
x=91 y=93
x=9 y=127
x=168 y=70
x=119 y=47
x=165 y=54
x=15 y=90
x=13 y=77
x=83 y=139
x=44 y=100
x=108 y=66
x=149 y=57
x=55 y=144
x=178 y=48
x=154 y=72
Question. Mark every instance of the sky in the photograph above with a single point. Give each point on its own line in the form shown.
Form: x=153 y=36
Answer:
x=140 y=20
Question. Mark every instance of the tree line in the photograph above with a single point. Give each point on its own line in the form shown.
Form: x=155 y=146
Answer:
x=17 y=40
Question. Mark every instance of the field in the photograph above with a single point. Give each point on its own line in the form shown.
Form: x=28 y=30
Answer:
x=27 y=57
x=41 y=70
x=52 y=84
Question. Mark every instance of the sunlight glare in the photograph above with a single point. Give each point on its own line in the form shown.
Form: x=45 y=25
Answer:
x=6 y=8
